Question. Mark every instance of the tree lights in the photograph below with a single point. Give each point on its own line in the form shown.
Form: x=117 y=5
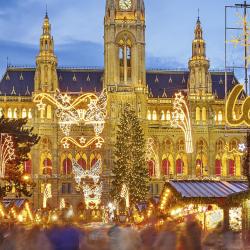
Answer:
x=69 y=113
x=181 y=119
x=7 y=152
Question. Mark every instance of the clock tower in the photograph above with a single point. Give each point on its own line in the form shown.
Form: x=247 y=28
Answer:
x=124 y=73
x=124 y=38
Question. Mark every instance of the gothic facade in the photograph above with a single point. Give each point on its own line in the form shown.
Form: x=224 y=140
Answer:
x=151 y=94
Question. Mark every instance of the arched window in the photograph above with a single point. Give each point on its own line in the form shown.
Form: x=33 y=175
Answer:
x=179 y=166
x=218 y=167
x=180 y=145
x=28 y=166
x=49 y=112
x=24 y=113
x=233 y=144
x=47 y=167
x=168 y=116
x=165 y=167
x=151 y=168
x=204 y=114
x=220 y=116
x=231 y=171
x=162 y=115
x=9 y=113
x=125 y=46
x=219 y=146
x=30 y=114
x=93 y=162
x=154 y=117
x=149 y=115
x=67 y=166
x=15 y=113
x=82 y=162
x=198 y=114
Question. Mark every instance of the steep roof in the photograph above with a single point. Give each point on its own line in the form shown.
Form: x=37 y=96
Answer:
x=161 y=83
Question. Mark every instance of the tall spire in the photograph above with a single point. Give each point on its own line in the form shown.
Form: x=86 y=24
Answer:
x=46 y=61
x=199 y=78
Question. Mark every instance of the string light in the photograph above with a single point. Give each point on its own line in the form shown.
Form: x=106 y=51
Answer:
x=7 y=152
x=98 y=140
x=92 y=194
x=181 y=119
x=68 y=113
x=62 y=204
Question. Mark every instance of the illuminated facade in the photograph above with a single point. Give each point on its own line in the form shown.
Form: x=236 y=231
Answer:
x=150 y=92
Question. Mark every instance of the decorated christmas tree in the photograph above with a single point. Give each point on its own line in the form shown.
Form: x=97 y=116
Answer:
x=130 y=164
x=23 y=139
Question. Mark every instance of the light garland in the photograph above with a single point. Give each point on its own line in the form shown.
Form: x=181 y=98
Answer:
x=68 y=113
x=98 y=140
x=92 y=194
x=242 y=147
x=181 y=119
x=150 y=153
x=7 y=152
x=46 y=194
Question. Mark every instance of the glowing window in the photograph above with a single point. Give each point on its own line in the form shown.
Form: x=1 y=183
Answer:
x=24 y=113
x=162 y=115
x=198 y=114
x=9 y=113
x=67 y=166
x=149 y=115
x=30 y=114
x=15 y=113
x=168 y=116
x=204 y=114
x=220 y=117
x=154 y=116
x=49 y=113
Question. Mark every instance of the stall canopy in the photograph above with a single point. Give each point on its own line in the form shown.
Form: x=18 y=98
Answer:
x=13 y=202
x=207 y=189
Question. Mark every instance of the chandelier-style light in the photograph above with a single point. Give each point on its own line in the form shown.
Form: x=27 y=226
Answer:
x=181 y=119
x=92 y=193
x=7 y=152
x=70 y=112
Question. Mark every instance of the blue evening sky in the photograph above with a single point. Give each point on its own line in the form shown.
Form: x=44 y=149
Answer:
x=77 y=27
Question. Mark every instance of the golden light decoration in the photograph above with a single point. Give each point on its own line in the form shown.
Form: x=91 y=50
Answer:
x=243 y=38
x=93 y=193
x=47 y=193
x=7 y=152
x=151 y=154
x=181 y=119
x=244 y=118
x=233 y=151
x=68 y=112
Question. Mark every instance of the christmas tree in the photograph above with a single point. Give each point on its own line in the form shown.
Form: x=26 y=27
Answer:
x=130 y=164
x=23 y=139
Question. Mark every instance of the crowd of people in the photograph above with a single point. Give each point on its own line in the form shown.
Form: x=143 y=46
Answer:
x=186 y=236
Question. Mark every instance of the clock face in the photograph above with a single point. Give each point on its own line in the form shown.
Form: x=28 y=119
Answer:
x=125 y=4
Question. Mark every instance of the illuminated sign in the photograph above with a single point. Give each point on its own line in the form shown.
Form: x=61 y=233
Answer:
x=244 y=118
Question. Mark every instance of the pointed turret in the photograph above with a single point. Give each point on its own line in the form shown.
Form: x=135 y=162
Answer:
x=200 y=81
x=46 y=61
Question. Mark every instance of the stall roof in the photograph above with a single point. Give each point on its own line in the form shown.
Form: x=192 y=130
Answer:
x=207 y=188
x=10 y=202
